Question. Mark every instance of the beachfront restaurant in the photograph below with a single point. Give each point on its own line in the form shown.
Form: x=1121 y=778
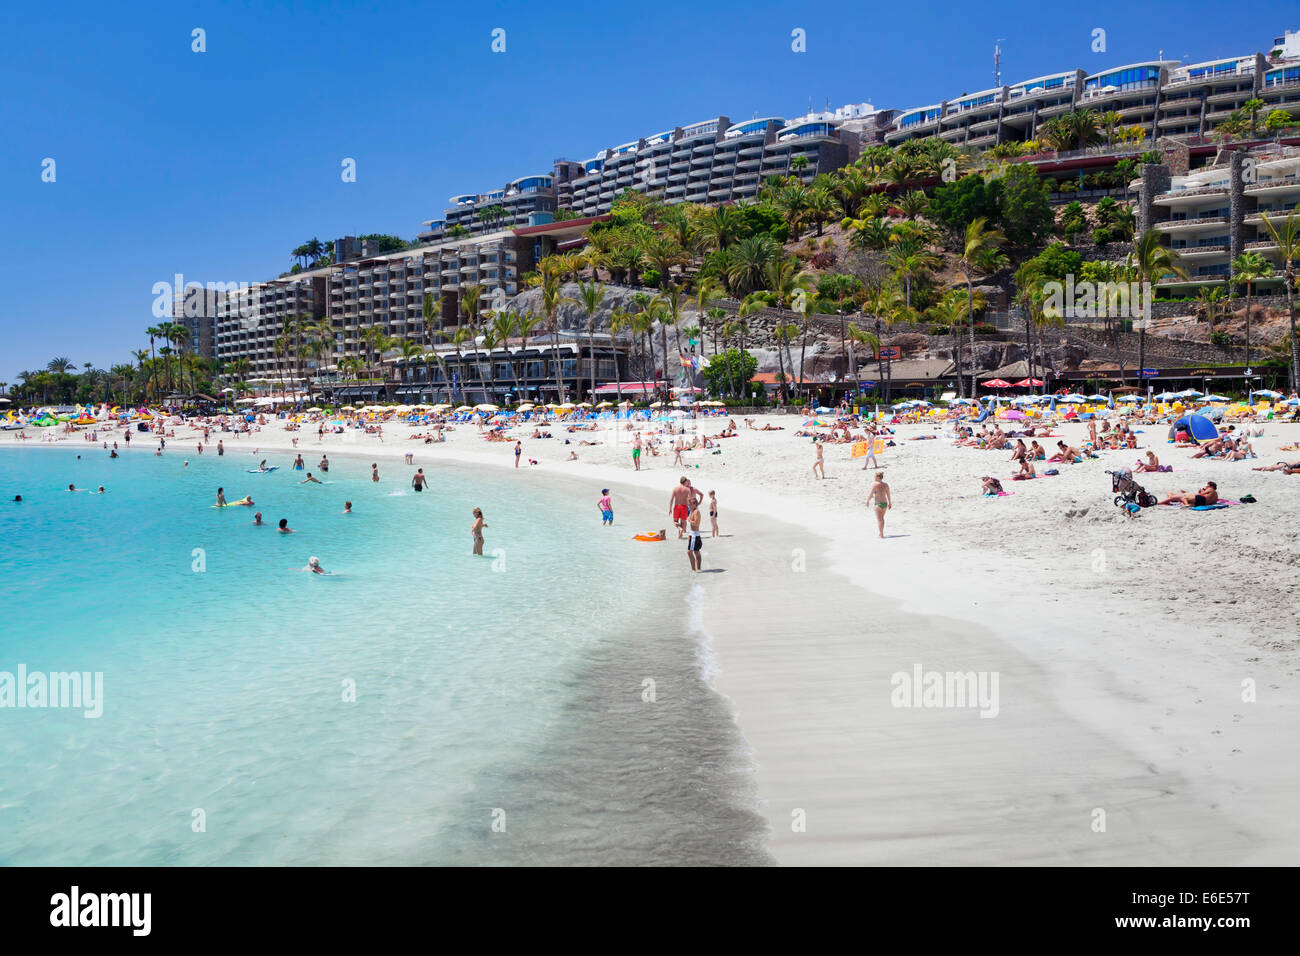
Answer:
x=1224 y=378
x=511 y=373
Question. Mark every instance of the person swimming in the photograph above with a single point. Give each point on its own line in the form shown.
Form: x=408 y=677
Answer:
x=257 y=518
x=284 y=527
x=313 y=565
x=347 y=507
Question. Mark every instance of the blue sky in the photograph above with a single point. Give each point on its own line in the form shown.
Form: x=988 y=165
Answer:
x=216 y=164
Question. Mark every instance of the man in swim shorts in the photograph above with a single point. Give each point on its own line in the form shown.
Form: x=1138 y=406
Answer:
x=636 y=451
x=419 y=481
x=679 y=505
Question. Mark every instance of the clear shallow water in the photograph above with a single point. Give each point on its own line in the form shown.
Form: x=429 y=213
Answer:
x=511 y=682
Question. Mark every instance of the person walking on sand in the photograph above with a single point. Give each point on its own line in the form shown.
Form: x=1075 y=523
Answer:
x=713 y=512
x=519 y=450
x=476 y=529
x=694 y=541
x=880 y=497
x=679 y=505
x=606 y=507
x=636 y=451
x=819 y=465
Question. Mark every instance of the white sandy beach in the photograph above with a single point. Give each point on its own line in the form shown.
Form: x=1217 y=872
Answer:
x=1121 y=646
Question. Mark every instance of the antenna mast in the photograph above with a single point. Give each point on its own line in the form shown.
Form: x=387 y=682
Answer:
x=997 y=62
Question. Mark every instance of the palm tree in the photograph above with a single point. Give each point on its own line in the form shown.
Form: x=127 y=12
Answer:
x=716 y=317
x=748 y=263
x=61 y=365
x=619 y=320
x=409 y=350
x=867 y=232
x=1029 y=286
x=1208 y=303
x=859 y=336
x=792 y=286
x=910 y=263
x=552 y=299
x=504 y=325
x=1287 y=236
x=526 y=323
x=642 y=325
x=706 y=290
x=1151 y=261
x=672 y=305
x=721 y=226
x=1252 y=106
x=429 y=309
x=663 y=252
x=460 y=337
x=1247 y=269
x=591 y=294
x=980 y=252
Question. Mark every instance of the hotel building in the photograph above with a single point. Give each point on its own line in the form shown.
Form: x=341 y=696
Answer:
x=1162 y=96
x=1212 y=215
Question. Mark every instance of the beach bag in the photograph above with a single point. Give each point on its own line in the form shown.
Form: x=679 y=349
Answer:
x=1248 y=499
x=1147 y=500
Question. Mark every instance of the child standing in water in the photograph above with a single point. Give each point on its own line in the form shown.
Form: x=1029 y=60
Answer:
x=880 y=497
x=606 y=507
x=713 y=512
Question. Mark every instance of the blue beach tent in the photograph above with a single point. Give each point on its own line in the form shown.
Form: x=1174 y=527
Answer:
x=1198 y=426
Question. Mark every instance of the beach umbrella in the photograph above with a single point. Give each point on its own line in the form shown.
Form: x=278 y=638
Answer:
x=1098 y=398
x=1292 y=401
x=822 y=410
x=963 y=401
x=996 y=383
x=583 y=405
x=1128 y=398
x=604 y=404
x=1028 y=383
x=486 y=408
x=1267 y=393
x=1165 y=396
x=1189 y=393
x=1011 y=415
x=656 y=404
x=526 y=407
x=464 y=408
x=1218 y=398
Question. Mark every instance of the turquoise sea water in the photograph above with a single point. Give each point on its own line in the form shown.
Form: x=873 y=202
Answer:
x=499 y=713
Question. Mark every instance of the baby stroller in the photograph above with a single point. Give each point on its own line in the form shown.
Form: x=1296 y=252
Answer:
x=1129 y=495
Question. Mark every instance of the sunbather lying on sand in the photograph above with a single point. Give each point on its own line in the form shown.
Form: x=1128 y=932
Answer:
x=1287 y=468
x=1206 y=496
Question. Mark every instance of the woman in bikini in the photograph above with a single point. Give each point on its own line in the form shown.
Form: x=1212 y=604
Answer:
x=476 y=529
x=880 y=497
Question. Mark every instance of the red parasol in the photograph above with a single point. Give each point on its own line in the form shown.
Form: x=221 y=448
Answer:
x=997 y=383
x=1026 y=383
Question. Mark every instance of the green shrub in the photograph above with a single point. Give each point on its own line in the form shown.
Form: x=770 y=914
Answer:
x=1222 y=339
x=1102 y=236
